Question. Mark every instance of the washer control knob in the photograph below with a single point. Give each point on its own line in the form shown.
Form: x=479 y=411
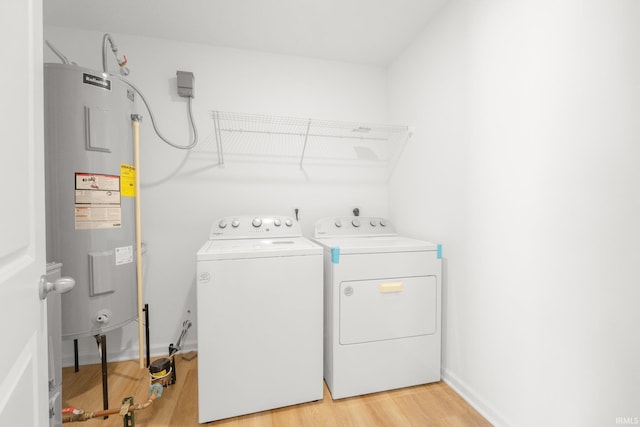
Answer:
x=383 y=223
x=288 y=222
x=338 y=223
x=373 y=222
x=356 y=223
x=257 y=222
x=235 y=223
x=222 y=224
x=277 y=222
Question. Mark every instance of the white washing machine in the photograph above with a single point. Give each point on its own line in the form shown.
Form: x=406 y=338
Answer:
x=259 y=285
x=382 y=302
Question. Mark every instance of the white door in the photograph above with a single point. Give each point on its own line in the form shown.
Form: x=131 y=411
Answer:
x=23 y=358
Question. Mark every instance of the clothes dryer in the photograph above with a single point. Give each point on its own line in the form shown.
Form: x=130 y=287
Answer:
x=382 y=307
x=259 y=300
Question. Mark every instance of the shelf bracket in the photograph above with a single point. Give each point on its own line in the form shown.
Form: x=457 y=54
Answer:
x=304 y=146
x=218 y=135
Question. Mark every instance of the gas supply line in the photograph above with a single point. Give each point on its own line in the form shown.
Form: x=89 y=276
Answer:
x=127 y=409
x=161 y=374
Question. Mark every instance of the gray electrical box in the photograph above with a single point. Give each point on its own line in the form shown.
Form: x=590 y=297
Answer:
x=185 y=83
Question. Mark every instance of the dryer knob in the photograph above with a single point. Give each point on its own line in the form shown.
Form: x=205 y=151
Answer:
x=288 y=222
x=235 y=223
x=383 y=223
x=222 y=224
x=277 y=222
x=356 y=223
x=257 y=222
x=338 y=223
x=373 y=222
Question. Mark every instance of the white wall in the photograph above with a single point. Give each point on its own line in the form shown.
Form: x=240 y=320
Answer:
x=182 y=194
x=525 y=166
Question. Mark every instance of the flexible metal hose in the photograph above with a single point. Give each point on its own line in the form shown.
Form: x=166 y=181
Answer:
x=107 y=39
x=153 y=120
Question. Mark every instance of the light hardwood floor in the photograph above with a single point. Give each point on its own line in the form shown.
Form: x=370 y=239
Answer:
x=427 y=405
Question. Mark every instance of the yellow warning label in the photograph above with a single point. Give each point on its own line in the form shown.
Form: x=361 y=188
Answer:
x=127 y=180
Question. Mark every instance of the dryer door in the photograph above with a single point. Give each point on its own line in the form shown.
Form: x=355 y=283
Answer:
x=384 y=309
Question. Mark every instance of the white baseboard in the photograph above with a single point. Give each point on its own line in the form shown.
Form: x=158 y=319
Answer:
x=473 y=399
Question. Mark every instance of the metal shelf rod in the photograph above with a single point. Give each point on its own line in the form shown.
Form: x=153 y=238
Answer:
x=302 y=134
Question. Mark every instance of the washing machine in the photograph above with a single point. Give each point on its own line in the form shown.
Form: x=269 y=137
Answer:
x=259 y=300
x=382 y=306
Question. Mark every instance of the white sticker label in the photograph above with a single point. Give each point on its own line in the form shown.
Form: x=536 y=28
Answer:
x=97 y=197
x=124 y=255
x=90 y=217
x=97 y=201
x=95 y=181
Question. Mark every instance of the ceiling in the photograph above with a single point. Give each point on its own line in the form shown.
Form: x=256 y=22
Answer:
x=363 y=31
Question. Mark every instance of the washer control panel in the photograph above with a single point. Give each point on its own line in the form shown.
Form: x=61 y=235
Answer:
x=353 y=226
x=254 y=226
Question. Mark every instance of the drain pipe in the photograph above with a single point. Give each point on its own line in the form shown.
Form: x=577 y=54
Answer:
x=135 y=119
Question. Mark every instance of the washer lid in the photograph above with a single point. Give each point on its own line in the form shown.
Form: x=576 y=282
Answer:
x=376 y=244
x=257 y=248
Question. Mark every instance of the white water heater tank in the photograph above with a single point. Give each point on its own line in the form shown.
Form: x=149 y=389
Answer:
x=90 y=196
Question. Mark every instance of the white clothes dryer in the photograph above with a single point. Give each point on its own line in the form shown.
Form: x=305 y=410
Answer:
x=382 y=302
x=259 y=300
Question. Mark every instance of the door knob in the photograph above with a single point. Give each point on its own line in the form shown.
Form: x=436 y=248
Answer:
x=61 y=285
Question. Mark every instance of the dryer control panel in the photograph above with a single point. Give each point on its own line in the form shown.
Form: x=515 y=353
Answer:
x=353 y=226
x=254 y=226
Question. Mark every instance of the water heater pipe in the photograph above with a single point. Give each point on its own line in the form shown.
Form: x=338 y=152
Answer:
x=108 y=40
x=135 y=119
x=59 y=54
x=70 y=415
x=122 y=62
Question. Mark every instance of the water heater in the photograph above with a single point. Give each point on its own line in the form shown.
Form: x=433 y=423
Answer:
x=90 y=196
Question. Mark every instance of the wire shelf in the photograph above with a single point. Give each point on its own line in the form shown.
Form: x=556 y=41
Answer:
x=306 y=139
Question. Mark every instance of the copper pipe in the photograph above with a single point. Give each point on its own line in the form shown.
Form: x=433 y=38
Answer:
x=84 y=416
